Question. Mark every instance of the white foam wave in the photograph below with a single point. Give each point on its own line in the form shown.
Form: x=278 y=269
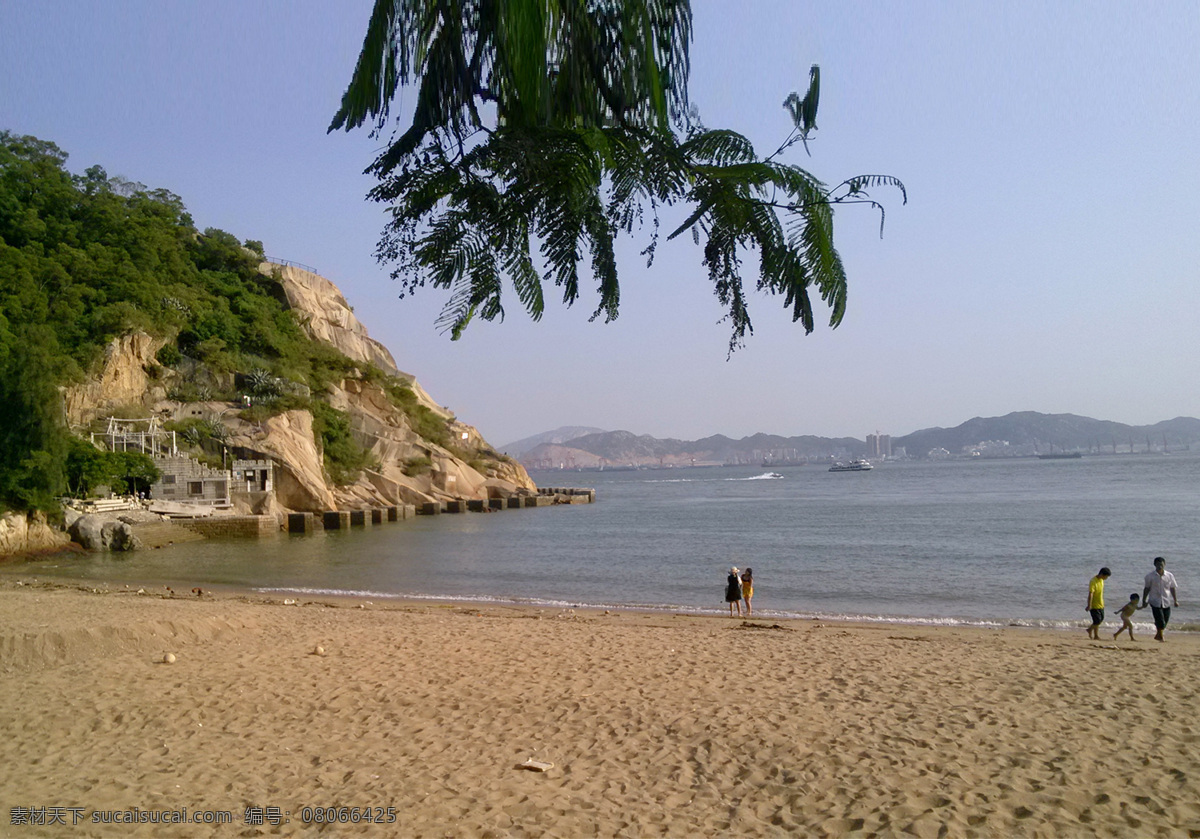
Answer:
x=677 y=608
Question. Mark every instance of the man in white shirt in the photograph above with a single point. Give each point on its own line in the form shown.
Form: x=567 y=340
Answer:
x=1161 y=593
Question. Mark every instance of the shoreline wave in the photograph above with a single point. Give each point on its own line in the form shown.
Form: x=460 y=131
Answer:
x=672 y=608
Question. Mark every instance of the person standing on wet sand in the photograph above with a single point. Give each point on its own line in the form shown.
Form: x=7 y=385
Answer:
x=1095 y=602
x=747 y=588
x=1159 y=584
x=733 y=591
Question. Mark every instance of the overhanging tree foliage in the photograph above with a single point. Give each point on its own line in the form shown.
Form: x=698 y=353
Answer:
x=544 y=128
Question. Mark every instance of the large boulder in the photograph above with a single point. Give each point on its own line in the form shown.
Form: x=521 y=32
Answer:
x=98 y=533
x=88 y=532
x=119 y=536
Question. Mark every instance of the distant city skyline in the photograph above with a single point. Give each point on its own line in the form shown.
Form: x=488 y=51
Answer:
x=1047 y=259
x=1021 y=434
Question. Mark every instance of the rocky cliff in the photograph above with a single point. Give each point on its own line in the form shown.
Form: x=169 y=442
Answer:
x=124 y=379
x=22 y=533
x=131 y=382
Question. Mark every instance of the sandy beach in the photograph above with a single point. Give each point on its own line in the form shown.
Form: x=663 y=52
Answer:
x=419 y=716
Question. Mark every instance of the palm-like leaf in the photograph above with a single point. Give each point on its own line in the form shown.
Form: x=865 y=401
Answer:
x=586 y=97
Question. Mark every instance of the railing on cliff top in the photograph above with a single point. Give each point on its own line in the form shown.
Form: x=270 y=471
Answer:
x=277 y=261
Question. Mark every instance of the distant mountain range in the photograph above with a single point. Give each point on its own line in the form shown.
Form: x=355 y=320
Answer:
x=1020 y=434
x=558 y=435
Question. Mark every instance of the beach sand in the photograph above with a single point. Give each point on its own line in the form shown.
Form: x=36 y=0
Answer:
x=656 y=724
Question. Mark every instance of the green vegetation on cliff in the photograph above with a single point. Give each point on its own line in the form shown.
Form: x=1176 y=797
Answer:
x=344 y=458
x=88 y=258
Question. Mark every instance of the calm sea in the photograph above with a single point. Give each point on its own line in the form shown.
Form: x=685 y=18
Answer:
x=984 y=542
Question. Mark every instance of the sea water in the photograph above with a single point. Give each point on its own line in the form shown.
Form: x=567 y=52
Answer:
x=982 y=542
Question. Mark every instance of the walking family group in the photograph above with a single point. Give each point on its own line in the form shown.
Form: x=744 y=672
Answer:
x=1159 y=592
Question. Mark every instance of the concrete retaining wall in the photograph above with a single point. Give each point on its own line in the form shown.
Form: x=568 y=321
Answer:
x=218 y=527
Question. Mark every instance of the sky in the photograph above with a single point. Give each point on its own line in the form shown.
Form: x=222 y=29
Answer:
x=1048 y=258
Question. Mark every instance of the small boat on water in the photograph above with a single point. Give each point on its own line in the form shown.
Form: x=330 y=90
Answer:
x=858 y=465
x=1060 y=456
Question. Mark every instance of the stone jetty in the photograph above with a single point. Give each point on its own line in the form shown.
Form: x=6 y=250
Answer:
x=306 y=523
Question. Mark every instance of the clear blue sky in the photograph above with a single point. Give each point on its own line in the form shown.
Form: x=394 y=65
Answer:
x=1048 y=259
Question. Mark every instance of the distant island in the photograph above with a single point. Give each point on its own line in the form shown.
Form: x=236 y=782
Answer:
x=1019 y=434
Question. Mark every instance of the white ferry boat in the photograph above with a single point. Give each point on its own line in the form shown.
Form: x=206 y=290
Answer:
x=859 y=465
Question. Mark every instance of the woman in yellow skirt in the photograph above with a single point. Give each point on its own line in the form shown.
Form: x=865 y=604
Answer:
x=747 y=588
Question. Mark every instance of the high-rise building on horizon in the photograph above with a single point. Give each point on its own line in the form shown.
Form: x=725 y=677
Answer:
x=879 y=445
